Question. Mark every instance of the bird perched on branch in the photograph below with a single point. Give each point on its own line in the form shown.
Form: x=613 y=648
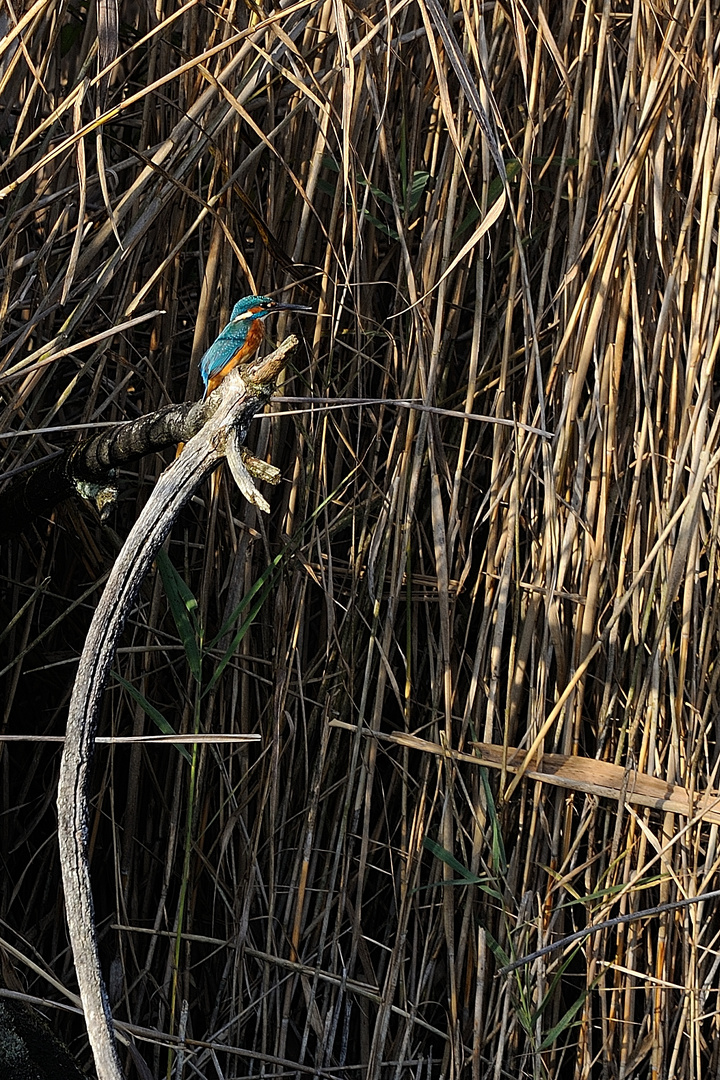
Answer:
x=240 y=338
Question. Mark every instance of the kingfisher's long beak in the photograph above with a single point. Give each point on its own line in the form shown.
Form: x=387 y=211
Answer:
x=279 y=306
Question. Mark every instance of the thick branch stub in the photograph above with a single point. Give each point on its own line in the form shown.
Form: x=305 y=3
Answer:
x=96 y=460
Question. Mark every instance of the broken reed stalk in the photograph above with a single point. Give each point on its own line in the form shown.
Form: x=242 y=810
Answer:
x=239 y=402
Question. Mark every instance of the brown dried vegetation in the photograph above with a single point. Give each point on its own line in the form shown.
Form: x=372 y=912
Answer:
x=540 y=574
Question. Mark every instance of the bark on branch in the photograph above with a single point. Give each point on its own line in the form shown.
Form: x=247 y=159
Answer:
x=89 y=468
x=234 y=404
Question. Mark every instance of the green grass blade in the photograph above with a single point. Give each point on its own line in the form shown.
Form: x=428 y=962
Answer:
x=466 y=876
x=567 y=1019
x=157 y=718
x=245 y=626
x=182 y=602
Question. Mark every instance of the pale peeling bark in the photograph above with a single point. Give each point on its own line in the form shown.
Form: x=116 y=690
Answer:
x=240 y=398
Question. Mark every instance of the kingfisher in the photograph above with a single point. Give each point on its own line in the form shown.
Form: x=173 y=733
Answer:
x=237 y=342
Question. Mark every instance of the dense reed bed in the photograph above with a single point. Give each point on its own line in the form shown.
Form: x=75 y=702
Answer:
x=497 y=525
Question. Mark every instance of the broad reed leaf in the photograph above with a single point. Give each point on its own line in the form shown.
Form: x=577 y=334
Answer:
x=183 y=607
